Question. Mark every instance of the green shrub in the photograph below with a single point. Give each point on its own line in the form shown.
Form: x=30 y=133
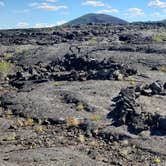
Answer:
x=159 y=37
x=93 y=40
x=95 y=118
x=4 y=66
x=80 y=107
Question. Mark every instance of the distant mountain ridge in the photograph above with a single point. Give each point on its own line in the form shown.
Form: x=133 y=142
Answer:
x=96 y=19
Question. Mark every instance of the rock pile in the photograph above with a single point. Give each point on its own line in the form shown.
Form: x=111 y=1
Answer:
x=71 y=68
x=128 y=112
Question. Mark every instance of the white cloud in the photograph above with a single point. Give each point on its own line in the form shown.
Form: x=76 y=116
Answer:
x=47 y=6
x=23 y=25
x=40 y=25
x=33 y=4
x=2 y=4
x=157 y=3
x=108 y=11
x=61 y=22
x=21 y=11
x=51 y=0
x=157 y=16
x=135 y=12
x=44 y=25
x=93 y=3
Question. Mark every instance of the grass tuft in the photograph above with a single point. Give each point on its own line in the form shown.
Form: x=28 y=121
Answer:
x=4 y=66
x=80 y=107
x=95 y=118
x=72 y=122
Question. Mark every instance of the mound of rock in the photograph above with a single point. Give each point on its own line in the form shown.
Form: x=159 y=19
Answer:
x=71 y=68
x=128 y=111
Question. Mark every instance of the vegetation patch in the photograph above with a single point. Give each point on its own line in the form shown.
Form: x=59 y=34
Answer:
x=72 y=122
x=4 y=66
x=95 y=118
x=163 y=68
x=80 y=107
x=159 y=37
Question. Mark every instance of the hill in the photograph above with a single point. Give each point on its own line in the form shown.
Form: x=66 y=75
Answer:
x=97 y=19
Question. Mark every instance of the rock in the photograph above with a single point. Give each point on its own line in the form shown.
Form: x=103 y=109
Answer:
x=164 y=86
x=146 y=92
x=117 y=75
x=127 y=111
x=162 y=123
x=156 y=87
x=71 y=67
x=5 y=124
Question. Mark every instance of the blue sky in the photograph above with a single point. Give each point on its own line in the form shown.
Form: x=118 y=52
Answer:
x=45 y=13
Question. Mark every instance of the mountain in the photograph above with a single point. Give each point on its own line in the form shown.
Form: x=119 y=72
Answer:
x=161 y=22
x=96 y=19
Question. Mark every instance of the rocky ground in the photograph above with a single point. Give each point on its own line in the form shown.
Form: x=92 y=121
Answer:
x=83 y=95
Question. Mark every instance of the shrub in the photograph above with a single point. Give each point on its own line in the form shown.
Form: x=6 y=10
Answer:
x=72 y=122
x=29 y=122
x=81 y=138
x=159 y=37
x=58 y=83
x=4 y=66
x=80 y=107
x=19 y=123
x=19 y=50
x=163 y=68
x=11 y=137
x=39 y=129
x=95 y=118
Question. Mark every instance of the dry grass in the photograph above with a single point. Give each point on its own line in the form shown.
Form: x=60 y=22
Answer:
x=159 y=37
x=4 y=66
x=39 y=129
x=131 y=80
x=29 y=122
x=19 y=122
x=80 y=107
x=72 y=122
x=81 y=138
x=11 y=137
x=163 y=68
x=95 y=118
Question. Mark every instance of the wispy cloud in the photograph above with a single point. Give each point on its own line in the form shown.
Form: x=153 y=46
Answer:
x=47 y=6
x=44 y=25
x=135 y=12
x=157 y=3
x=21 y=11
x=33 y=4
x=158 y=15
x=2 y=4
x=108 y=11
x=51 y=0
x=60 y=22
x=93 y=3
x=22 y=25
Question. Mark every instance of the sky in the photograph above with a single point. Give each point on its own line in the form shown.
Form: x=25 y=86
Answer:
x=47 y=13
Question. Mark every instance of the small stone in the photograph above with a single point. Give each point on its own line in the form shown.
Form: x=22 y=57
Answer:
x=156 y=87
x=164 y=86
x=162 y=123
x=117 y=75
x=147 y=92
x=124 y=152
x=145 y=134
x=125 y=142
